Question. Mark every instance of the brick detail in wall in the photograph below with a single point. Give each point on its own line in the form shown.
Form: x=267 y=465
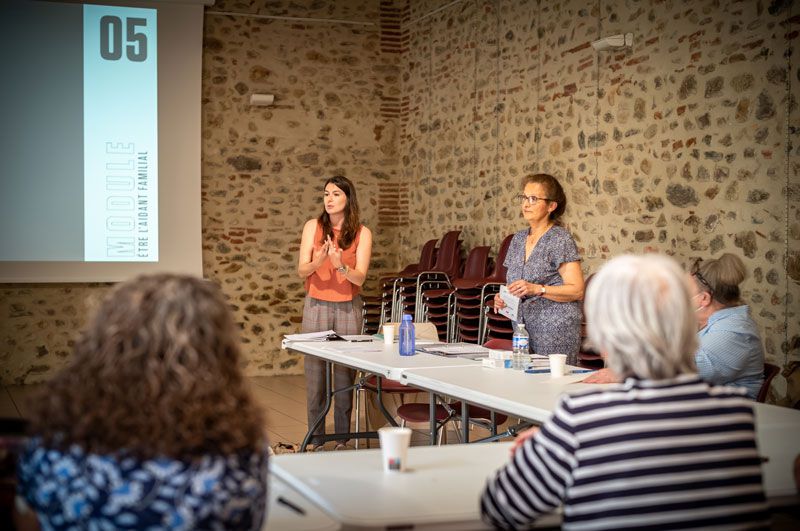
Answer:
x=393 y=201
x=394 y=39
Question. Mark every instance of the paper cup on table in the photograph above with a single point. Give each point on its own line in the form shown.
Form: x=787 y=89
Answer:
x=558 y=365
x=388 y=334
x=394 y=448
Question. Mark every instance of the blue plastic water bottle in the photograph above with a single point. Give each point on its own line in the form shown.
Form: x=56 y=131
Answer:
x=406 y=336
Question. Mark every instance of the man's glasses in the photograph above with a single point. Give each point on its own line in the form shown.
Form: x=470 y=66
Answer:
x=531 y=199
x=700 y=278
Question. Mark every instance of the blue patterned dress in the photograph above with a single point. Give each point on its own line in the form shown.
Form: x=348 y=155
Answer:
x=76 y=490
x=554 y=327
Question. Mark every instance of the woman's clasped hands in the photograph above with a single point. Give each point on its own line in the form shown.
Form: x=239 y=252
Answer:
x=334 y=253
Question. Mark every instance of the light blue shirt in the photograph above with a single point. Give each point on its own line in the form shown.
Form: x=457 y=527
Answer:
x=730 y=351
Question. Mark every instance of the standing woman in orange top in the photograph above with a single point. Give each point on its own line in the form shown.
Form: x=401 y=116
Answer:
x=334 y=258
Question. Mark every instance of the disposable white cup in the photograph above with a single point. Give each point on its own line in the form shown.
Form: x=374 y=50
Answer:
x=394 y=448
x=388 y=334
x=558 y=365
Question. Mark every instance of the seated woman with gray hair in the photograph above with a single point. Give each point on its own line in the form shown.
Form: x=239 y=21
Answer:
x=730 y=350
x=663 y=448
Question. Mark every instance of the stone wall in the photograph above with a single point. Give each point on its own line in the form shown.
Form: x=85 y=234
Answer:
x=264 y=168
x=678 y=145
x=263 y=172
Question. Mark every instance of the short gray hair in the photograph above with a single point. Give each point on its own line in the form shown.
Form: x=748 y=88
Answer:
x=638 y=313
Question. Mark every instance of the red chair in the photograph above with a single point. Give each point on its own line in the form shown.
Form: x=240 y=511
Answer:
x=588 y=358
x=499 y=344
x=483 y=417
x=427 y=259
x=439 y=305
x=448 y=264
x=490 y=324
x=770 y=372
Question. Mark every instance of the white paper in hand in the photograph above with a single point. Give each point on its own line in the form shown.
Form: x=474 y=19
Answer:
x=512 y=303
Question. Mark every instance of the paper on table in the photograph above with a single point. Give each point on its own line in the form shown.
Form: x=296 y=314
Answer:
x=457 y=348
x=311 y=336
x=512 y=303
x=357 y=338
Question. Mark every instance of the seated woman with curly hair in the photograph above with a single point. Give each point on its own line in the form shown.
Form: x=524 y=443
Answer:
x=151 y=425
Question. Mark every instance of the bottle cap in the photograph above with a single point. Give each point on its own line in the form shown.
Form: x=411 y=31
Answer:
x=406 y=317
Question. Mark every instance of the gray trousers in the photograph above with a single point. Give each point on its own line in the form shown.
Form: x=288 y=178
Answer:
x=343 y=318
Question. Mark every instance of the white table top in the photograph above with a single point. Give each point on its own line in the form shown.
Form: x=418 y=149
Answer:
x=281 y=517
x=441 y=490
x=528 y=396
x=778 y=436
x=534 y=396
x=376 y=357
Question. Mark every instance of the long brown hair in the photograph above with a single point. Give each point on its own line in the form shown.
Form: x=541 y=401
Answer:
x=554 y=191
x=155 y=373
x=352 y=214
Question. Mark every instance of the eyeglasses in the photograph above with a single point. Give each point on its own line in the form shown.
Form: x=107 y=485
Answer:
x=532 y=199
x=695 y=271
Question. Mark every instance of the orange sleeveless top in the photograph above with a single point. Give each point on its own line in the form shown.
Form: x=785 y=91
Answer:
x=326 y=284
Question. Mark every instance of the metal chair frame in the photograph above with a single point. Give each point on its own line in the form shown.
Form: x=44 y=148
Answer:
x=492 y=288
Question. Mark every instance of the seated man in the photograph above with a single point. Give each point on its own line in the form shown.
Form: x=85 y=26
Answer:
x=663 y=448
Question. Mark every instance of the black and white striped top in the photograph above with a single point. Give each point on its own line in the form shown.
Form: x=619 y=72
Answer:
x=667 y=454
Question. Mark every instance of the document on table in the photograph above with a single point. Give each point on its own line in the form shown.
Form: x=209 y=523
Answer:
x=357 y=338
x=512 y=303
x=455 y=349
x=326 y=335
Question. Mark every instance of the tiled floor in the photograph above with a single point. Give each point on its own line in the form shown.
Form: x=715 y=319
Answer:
x=282 y=397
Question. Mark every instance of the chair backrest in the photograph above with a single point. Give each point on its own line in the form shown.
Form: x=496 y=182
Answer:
x=499 y=344
x=426 y=331
x=770 y=372
x=427 y=257
x=477 y=264
x=448 y=257
x=499 y=273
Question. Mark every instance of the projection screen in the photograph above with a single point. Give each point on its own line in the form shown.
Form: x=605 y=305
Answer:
x=101 y=140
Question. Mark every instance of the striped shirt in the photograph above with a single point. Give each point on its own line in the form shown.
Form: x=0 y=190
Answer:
x=644 y=454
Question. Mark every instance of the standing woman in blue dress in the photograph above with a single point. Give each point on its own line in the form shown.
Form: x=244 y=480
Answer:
x=544 y=270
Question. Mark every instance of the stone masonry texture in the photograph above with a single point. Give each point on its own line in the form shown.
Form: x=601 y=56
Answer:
x=688 y=144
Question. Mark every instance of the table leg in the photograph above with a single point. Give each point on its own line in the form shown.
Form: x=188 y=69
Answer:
x=385 y=412
x=465 y=421
x=325 y=410
x=432 y=413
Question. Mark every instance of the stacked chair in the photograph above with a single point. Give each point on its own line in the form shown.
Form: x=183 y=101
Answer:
x=470 y=294
x=371 y=315
x=427 y=259
x=492 y=325
x=407 y=290
x=433 y=290
x=439 y=305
